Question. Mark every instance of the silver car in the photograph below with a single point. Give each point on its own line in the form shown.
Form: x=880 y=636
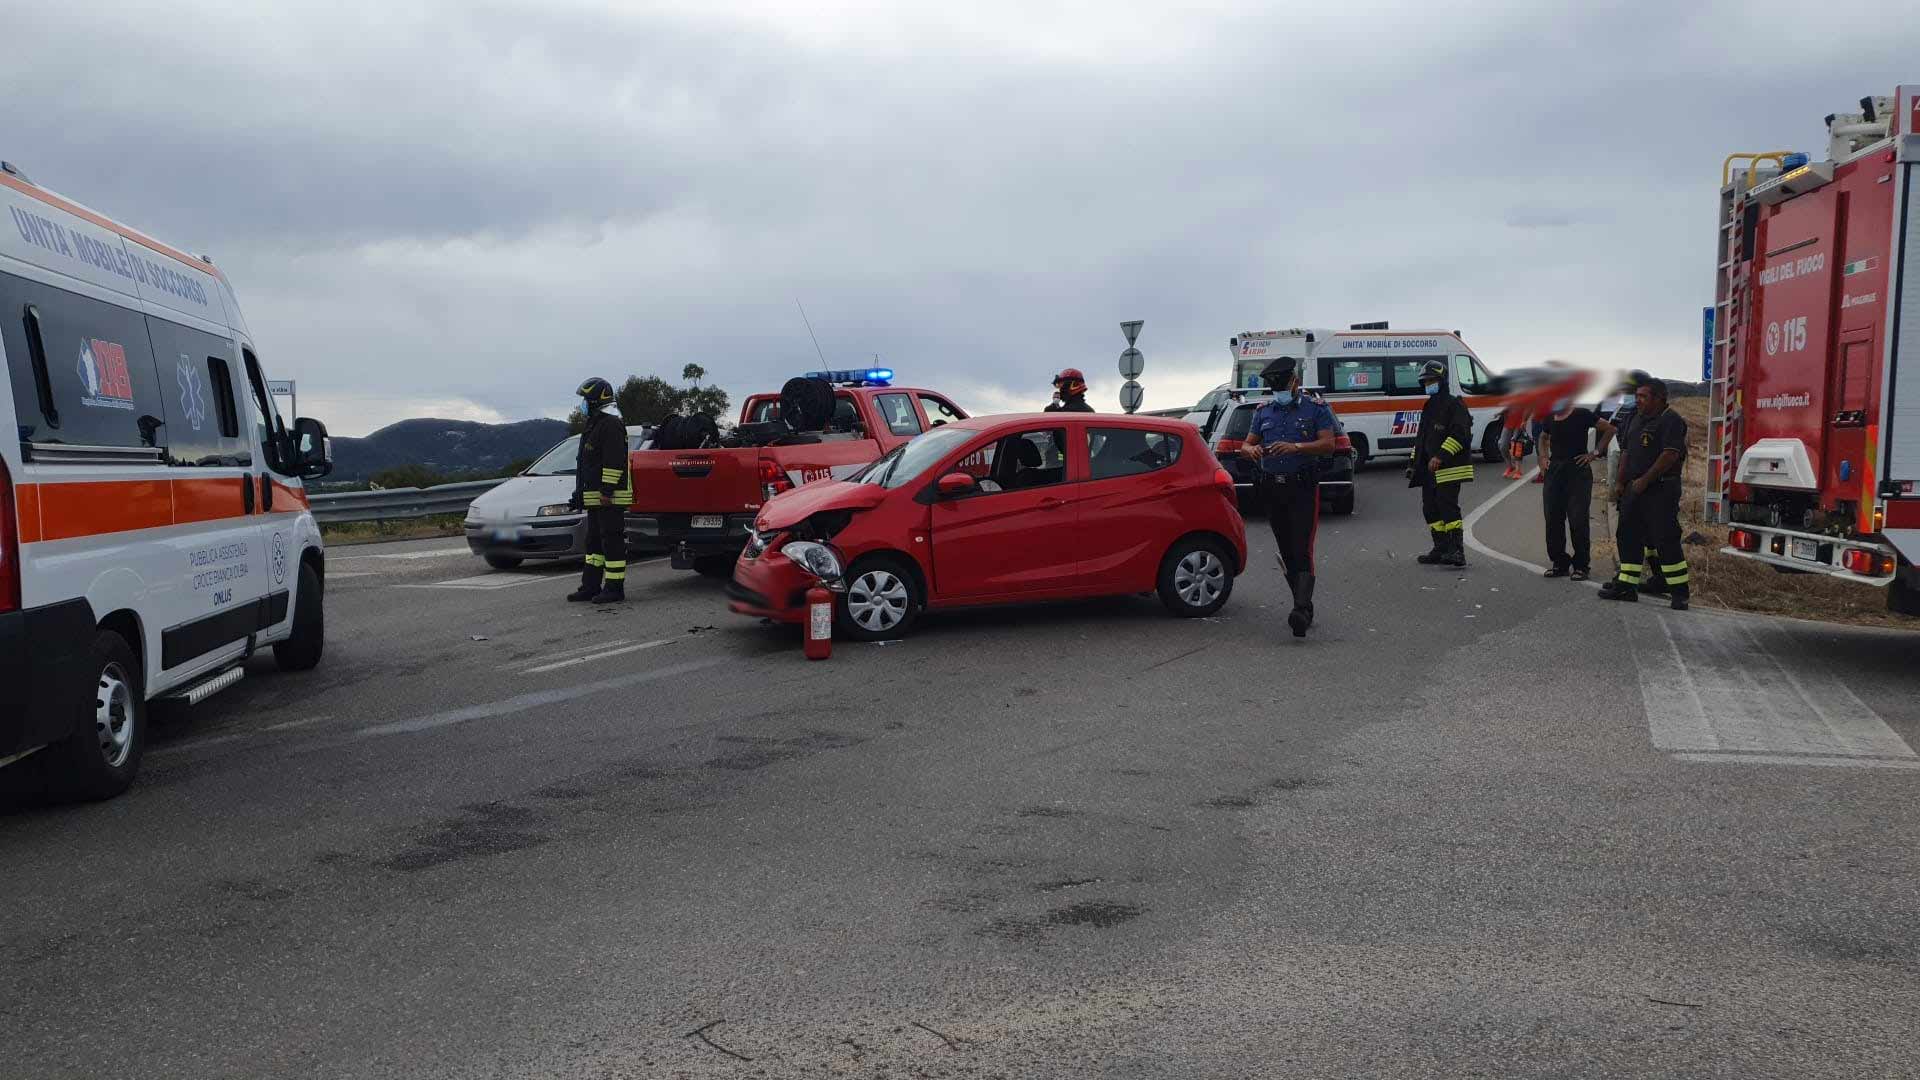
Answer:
x=527 y=517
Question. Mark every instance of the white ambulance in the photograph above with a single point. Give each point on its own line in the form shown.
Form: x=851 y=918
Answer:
x=1370 y=375
x=154 y=530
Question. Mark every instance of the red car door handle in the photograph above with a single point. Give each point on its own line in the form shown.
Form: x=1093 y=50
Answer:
x=1051 y=503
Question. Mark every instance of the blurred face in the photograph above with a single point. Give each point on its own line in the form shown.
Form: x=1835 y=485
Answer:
x=1648 y=401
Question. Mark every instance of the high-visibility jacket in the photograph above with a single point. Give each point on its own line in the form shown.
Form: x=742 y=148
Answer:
x=601 y=474
x=1446 y=432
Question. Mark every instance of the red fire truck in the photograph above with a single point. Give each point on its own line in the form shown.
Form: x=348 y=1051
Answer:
x=1815 y=419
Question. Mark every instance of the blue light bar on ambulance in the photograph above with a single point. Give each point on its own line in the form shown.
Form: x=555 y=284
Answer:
x=879 y=376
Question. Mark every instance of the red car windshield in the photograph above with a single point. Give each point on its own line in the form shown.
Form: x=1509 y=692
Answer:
x=908 y=462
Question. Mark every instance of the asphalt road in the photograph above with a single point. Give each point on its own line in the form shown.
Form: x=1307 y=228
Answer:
x=1477 y=824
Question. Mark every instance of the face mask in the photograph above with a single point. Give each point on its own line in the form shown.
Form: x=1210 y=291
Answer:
x=1433 y=389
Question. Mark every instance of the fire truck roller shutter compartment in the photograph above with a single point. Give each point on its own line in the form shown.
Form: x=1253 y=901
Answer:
x=1900 y=474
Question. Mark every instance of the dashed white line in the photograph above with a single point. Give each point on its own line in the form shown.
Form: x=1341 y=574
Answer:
x=436 y=553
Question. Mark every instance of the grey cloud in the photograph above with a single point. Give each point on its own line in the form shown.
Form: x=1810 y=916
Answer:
x=484 y=201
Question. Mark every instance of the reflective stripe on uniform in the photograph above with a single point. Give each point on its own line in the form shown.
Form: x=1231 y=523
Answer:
x=1675 y=573
x=1451 y=446
x=616 y=571
x=1630 y=573
x=610 y=476
x=1454 y=474
x=596 y=560
x=590 y=498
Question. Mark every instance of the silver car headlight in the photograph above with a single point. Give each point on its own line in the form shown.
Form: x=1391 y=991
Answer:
x=555 y=510
x=817 y=559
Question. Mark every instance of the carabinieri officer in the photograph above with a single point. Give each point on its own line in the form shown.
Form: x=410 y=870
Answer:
x=1291 y=437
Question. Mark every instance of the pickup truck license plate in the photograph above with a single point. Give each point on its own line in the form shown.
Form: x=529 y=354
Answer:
x=1804 y=549
x=708 y=521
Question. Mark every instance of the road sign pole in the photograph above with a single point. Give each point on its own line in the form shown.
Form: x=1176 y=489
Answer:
x=1132 y=363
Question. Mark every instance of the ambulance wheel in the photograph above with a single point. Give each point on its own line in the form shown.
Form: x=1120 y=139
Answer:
x=99 y=760
x=1362 y=451
x=1195 y=578
x=504 y=562
x=715 y=566
x=881 y=602
x=301 y=652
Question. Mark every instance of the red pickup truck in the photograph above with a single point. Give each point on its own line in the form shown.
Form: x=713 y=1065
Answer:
x=700 y=504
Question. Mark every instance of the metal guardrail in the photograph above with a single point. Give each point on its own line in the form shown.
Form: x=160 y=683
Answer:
x=394 y=504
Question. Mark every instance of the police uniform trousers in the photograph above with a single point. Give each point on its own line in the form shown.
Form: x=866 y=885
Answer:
x=1649 y=530
x=1440 y=505
x=1293 y=510
x=607 y=543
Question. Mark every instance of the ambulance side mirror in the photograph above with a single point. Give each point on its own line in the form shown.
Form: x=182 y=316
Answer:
x=313 y=453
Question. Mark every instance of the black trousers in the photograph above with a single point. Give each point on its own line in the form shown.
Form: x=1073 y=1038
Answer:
x=1568 y=500
x=1293 y=509
x=607 y=541
x=1440 y=505
x=1650 y=522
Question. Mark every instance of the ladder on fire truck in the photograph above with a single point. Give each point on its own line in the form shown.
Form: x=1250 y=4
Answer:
x=1731 y=290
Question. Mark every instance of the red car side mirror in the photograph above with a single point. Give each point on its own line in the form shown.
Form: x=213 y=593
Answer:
x=958 y=483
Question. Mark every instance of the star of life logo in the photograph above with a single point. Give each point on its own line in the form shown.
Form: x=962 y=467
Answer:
x=193 y=396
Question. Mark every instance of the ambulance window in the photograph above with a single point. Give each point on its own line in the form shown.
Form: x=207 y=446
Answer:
x=268 y=430
x=1356 y=376
x=203 y=418
x=1404 y=375
x=1467 y=375
x=98 y=372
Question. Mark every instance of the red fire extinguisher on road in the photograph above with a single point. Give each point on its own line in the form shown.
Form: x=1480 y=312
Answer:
x=819 y=625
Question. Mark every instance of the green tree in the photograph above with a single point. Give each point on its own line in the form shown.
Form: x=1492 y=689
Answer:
x=705 y=400
x=693 y=373
x=648 y=399
x=576 y=422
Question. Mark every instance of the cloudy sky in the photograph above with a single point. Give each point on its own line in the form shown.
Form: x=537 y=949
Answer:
x=462 y=208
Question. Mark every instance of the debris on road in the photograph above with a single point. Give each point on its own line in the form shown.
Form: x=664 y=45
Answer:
x=701 y=1034
x=1682 y=1004
x=478 y=637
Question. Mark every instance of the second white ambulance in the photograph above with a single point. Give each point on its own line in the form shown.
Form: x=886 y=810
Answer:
x=1370 y=375
x=154 y=530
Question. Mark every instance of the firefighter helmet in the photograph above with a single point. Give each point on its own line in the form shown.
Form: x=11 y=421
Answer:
x=1433 y=371
x=1070 y=383
x=598 y=393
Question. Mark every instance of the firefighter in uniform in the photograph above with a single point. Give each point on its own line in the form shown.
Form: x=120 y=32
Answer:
x=1615 y=430
x=1069 y=392
x=603 y=487
x=1290 y=438
x=1442 y=461
x=1648 y=493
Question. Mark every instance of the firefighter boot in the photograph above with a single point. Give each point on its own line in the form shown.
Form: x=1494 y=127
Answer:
x=613 y=592
x=589 y=586
x=1619 y=590
x=1439 y=552
x=1301 y=616
x=1456 y=553
x=1682 y=598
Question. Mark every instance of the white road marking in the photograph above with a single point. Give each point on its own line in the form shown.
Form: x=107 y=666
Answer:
x=1714 y=689
x=436 y=553
x=597 y=656
x=1787 y=759
x=526 y=702
x=480 y=581
x=1501 y=556
x=339 y=575
x=564 y=653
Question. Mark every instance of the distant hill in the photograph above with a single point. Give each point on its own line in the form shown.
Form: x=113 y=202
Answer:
x=445 y=446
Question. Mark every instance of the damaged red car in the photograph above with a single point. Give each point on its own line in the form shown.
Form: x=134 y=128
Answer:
x=1002 y=509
